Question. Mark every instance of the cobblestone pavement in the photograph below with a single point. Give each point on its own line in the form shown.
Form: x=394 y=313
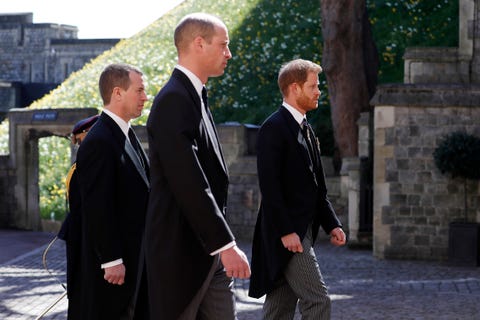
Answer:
x=361 y=287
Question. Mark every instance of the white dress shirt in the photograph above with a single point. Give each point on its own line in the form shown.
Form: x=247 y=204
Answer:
x=297 y=115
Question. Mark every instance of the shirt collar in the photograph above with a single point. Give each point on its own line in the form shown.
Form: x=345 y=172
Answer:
x=197 y=83
x=124 y=126
x=297 y=115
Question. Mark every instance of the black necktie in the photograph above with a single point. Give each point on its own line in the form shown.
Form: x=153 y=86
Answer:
x=136 y=146
x=204 y=97
x=307 y=134
x=207 y=118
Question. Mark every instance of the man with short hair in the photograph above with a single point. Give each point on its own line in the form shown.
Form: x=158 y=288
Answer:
x=191 y=254
x=112 y=171
x=294 y=203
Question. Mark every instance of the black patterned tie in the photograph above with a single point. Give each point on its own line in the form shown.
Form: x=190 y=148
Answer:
x=307 y=134
x=136 y=146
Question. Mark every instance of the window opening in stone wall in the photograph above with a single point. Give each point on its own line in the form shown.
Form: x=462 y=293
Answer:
x=65 y=70
x=30 y=72
x=22 y=36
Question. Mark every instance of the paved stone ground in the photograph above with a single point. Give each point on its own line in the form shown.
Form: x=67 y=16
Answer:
x=360 y=286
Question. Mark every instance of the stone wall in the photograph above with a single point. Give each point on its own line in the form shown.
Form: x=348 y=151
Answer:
x=69 y=55
x=413 y=202
x=46 y=53
x=435 y=65
x=9 y=95
x=26 y=47
x=41 y=53
x=243 y=192
x=7 y=197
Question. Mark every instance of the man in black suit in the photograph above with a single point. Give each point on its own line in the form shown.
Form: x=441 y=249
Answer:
x=112 y=171
x=294 y=203
x=191 y=254
x=71 y=228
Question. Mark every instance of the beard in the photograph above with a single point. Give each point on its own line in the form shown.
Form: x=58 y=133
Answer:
x=306 y=103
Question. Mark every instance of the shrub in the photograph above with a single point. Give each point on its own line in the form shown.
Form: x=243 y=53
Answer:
x=458 y=155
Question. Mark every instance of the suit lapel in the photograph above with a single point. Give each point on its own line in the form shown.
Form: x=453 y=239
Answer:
x=218 y=151
x=127 y=146
x=195 y=97
x=301 y=143
x=132 y=153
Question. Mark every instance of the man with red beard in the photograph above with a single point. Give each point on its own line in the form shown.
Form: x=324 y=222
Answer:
x=294 y=203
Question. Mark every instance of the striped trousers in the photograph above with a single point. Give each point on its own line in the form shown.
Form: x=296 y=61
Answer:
x=302 y=283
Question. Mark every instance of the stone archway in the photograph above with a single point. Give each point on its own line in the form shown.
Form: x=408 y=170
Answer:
x=19 y=189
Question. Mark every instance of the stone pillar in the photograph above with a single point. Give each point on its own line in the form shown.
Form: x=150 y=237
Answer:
x=465 y=28
x=353 y=168
x=352 y=179
x=470 y=26
x=364 y=135
x=384 y=119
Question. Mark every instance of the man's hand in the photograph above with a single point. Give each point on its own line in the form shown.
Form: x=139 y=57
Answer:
x=115 y=274
x=235 y=263
x=337 y=237
x=292 y=242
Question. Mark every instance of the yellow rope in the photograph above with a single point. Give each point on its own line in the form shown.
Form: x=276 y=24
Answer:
x=69 y=177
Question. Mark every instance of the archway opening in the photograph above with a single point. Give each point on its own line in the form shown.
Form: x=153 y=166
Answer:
x=22 y=174
x=54 y=163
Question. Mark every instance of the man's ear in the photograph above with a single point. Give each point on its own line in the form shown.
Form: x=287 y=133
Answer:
x=198 y=43
x=116 y=93
x=294 y=88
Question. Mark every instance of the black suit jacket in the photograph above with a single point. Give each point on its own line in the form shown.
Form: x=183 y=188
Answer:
x=186 y=211
x=71 y=233
x=294 y=196
x=114 y=194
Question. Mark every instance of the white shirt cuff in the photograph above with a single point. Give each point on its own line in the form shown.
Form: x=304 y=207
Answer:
x=112 y=263
x=225 y=247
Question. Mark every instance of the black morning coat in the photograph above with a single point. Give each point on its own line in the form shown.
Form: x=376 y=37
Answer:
x=186 y=211
x=294 y=195
x=70 y=232
x=114 y=194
